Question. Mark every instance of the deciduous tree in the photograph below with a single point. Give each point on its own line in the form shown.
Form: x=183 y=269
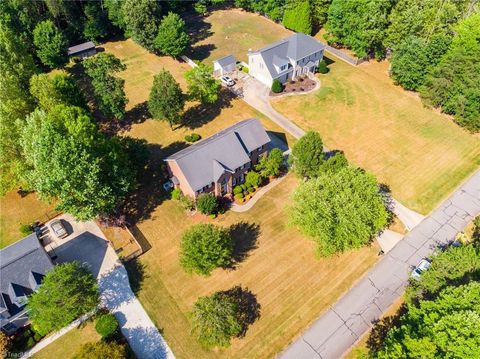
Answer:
x=207 y=203
x=50 y=43
x=271 y=165
x=340 y=211
x=141 y=18
x=297 y=16
x=307 y=154
x=166 y=101
x=172 y=39
x=67 y=291
x=52 y=90
x=205 y=247
x=97 y=26
x=109 y=89
x=201 y=84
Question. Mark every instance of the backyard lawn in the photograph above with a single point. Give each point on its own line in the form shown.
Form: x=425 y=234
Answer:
x=421 y=154
x=292 y=287
x=16 y=210
x=67 y=345
x=230 y=32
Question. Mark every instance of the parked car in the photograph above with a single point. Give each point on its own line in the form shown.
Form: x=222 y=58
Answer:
x=227 y=81
x=58 y=228
x=420 y=268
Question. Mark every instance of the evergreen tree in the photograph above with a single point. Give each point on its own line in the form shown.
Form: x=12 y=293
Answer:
x=166 y=101
x=172 y=38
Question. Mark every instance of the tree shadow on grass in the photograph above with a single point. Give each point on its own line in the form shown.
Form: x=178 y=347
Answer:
x=328 y=60
x=201 y=114
x=244 y=236
x=249 y=308
x=136 y=274
x=380 y=329
x=198 y=29
x=200 y=52
x=149 y=194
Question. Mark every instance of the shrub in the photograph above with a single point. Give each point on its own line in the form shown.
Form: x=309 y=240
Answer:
x=322 y=67
x=241 y=200
x=194 y=137
x=251 y=190
x=37 y=336
x=237 y=190
x=176 y=193
x=253 y=179
x=25 y=229
x=30 y=342
x=239 y=195
x=187 y=202
x=205 y=247
x=245 y=69
x=307 y=154
x=272 y=164
x=207 y=203
x=243 y=186
x=5 y=343
x=245 y=193
x=106 y=325
x=212 y=215
x=277 y=87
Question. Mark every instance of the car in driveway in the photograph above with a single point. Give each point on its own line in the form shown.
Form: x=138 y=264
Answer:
x=58 y=228
x=227 y=81
x=420 y=268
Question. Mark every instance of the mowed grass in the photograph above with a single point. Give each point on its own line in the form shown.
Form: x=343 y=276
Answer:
x=292 y=287
x=421 y=154
x=16 y=210
x=69 y=344
x=142 y=66
x=231 y=32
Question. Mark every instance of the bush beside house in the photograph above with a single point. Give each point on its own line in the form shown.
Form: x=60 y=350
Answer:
x=277 y=86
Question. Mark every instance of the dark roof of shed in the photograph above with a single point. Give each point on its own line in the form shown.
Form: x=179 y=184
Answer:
x=203 y=162
x=81 y=47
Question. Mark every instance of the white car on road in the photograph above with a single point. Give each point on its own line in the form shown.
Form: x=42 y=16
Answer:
x=227 y=81
x=420 y=268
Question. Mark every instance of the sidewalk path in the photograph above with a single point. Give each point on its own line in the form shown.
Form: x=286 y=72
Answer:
x=345 y=322
x=408 y=217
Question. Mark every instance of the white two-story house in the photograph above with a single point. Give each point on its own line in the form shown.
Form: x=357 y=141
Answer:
x=286 y=59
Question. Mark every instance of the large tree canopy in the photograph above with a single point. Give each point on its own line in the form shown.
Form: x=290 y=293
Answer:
x=73 y=162
x=201 y=84
x=16 y=68
x=141 y=18
x=339 y=210
x=172 y=38
x=454 y=84
x=50 y=43
x=166 y=101
x=359 y=25
x=307 y=154
x=205 y=247
x=298 y=16
x=109 y=89
x=67 y=291
x=57 y=89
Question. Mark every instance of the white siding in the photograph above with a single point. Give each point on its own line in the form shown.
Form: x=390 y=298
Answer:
x=258 y=69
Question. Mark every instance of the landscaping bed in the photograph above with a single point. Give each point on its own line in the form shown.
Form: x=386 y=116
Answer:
x=303 y=84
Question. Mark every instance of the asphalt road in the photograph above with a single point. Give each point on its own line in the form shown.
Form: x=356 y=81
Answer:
x=343 y=324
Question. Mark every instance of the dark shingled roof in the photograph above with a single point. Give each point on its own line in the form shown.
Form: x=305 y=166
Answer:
x=204 y=162
x=80 y=48
x=294 y=47
x=21 y=265
x=226 y=60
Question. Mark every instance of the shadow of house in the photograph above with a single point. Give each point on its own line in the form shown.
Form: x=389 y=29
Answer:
x=201 y=114
x=244 y=236
x=149 y=194
x=136 y=274
x=278 y=140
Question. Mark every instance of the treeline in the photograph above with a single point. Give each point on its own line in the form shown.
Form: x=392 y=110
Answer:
x=434 y=43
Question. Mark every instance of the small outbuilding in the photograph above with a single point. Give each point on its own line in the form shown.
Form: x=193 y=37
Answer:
x=82 y=50
x=224 y=65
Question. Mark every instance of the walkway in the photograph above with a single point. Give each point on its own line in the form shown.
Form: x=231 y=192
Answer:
x=345 y=322
x=87 y=244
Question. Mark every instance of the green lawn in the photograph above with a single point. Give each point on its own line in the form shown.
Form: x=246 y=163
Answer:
x=67 y=345
x=421 y=154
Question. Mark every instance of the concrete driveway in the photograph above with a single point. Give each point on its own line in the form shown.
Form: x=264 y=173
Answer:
x=87 y=244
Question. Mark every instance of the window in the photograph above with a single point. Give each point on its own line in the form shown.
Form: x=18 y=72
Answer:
x=234 y=181
x=242 y=178
x=283 y=67
x=261 y=65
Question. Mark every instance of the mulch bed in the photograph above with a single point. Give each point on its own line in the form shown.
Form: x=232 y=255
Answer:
x=297 y=86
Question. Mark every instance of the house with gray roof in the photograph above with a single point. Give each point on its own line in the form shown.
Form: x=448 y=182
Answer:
x=224 y=65
x=23 y=265
x=219 y=163
x=82 y=50
x=292 y=57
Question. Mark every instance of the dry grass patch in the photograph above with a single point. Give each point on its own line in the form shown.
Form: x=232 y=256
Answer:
x=231 y=32
x=292 y=287
x=16 y=210
x=421 y=154
x=67 y=345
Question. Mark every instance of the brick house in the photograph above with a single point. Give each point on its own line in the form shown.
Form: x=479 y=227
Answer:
x=219 y=163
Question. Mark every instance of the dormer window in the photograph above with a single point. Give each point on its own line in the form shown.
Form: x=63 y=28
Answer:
x=284 y=67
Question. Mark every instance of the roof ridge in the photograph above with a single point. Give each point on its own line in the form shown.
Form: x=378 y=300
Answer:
x=214 y=137
x=13 y=260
